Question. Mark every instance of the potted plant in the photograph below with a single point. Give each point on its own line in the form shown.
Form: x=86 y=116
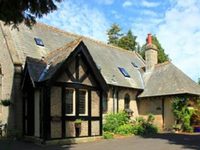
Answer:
x=5 y=103
x=78 y=123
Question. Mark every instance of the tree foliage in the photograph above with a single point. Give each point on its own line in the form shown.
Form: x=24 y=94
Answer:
x=116 y=38
x=14 y=12
x=128 y=41
x=182 y=113
x=162 y=57
x=199 y=81
x=114 y=34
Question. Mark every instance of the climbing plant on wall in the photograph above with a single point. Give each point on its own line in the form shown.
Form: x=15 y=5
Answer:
x=182 y=113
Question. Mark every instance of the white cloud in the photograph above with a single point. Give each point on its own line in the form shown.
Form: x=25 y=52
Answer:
x=127 y=4
x=116 y=14
x=105 y=2
x=148 y=4
x=141 y=27
x=78 y=18
x=149 y=13
x=180 y=36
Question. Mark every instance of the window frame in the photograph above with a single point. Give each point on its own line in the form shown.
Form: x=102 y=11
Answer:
x=127 y=97
x=39 y=42
x=86 y=102
x=73 y=101
x=124 y=72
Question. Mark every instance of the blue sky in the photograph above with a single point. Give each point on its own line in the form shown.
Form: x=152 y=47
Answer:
x=176 y=23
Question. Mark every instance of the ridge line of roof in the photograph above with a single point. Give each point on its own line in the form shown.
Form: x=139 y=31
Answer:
x=83 y=37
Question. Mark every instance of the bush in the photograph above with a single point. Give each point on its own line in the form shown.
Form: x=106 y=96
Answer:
x=113 y=121
x=182 y=113
x=125 y=129
x=108 y=135
x=150 y=129
x=138 y=130
x=145 y=127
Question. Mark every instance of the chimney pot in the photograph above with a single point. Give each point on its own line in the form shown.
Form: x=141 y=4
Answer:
x=149 y=39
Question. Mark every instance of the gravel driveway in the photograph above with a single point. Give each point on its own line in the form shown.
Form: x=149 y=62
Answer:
x=157 y=142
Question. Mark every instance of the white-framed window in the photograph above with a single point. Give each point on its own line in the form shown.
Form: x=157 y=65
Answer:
x=69 y=102
x=83 y=102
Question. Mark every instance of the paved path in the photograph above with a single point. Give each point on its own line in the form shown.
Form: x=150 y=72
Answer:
x=157 y=142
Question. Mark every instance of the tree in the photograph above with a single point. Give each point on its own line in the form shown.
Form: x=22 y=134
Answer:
x=199 y=81
x=162 y=57
x=114 y=34
x=128 y=41
x=14 y=12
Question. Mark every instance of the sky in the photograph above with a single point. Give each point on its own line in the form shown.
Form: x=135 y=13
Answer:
x=176 y=23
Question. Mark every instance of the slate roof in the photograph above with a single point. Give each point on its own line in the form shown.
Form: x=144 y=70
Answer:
x=167 y=79
x=106 y=57
x=43 y=69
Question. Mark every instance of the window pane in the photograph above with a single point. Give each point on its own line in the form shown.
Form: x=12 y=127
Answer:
x=69 y=101
x=82 y=102
x=124 y=72
x=127 y=102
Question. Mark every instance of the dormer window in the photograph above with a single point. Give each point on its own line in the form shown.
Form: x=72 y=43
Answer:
x=124 y=72
x=39 y=42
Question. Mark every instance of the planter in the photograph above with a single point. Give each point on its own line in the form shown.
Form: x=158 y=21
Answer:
x=78 y=129
x=78 y=125
x=5 y=103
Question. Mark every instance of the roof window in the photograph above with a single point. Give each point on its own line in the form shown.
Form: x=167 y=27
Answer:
x=39 y=42
x=124 y=72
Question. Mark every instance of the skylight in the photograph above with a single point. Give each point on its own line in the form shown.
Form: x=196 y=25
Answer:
x=39 y=42
x=124 y=72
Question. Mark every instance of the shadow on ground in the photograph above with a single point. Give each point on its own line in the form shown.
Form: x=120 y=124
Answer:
x=191 y=141
x=20 y=145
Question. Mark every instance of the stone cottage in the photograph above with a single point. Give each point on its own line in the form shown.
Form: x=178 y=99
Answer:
x=53 y=78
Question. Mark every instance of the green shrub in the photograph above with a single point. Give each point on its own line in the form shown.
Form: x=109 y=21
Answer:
x=108 y=135
x=138 y=130
x=145 y=127
x=113 y=121
x=125 y=129
x=140 y=120
x=150 y=129
x=182 y=113
x=150 y=118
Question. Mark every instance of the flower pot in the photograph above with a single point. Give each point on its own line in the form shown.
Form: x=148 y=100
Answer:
x=77 y=125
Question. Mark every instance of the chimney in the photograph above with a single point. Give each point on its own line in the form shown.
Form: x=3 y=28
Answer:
x=151 y=54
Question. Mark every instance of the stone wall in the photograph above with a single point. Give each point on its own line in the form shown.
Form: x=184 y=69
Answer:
x=95 y=97
x=7 y=80
x=95 y=128
x=152 y=106
x=11 y=82
x=169 y=118
x=56 y=105
x=121 y=95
